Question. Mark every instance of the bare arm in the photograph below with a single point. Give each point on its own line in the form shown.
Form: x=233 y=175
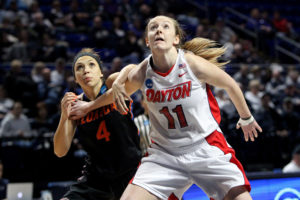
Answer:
x=211 y=74
x=131 y=83
x=66 y=128
x=80 y=109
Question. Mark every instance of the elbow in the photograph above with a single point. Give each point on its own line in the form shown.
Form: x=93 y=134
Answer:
x=59 y=154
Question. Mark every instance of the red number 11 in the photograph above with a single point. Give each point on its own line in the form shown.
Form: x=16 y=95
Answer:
x=180 y=115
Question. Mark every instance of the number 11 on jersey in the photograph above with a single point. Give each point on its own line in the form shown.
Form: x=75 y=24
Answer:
x=180 y=115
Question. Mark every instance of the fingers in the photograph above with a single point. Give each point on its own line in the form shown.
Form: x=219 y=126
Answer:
x=246 y=136
x=251 y=136
x=127 y=96
x=68 y=98
x=250 y=132
x=255 y=133
x=120 y=95
x=120 y=102
x=258 y=127
x=121 y=105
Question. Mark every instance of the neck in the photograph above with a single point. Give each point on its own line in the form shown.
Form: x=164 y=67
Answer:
x=91 y=93
x=163 y=61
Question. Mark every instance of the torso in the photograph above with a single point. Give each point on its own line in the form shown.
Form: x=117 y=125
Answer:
x=110 y=139
x=182 y=109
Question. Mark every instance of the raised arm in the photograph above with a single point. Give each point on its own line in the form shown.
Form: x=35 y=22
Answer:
x=80 y=109
x=211 y=74
x=131 y=82
x=66 y=128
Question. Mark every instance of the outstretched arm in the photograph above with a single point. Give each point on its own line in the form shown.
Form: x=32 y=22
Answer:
x=211 y=74
x=131 y=82
x=81 y=108
x=66 y=128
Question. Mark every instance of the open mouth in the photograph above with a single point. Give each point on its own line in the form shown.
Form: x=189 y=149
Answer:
x=159 y=39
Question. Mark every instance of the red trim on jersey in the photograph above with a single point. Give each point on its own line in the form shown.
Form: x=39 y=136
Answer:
x=153 y=142
x=217 y=139
x=213 y=104
x=211 y=199
x=130 y=182
x=173 y=197
x=164 y=74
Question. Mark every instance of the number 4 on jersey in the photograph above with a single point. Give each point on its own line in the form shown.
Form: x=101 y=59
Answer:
x=180 y=115
x=102 y=132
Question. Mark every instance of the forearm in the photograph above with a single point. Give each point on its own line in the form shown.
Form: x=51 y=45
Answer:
x=103 y=100
x=63 y=136
x=123 y=76
x=238 y=100
x=107 y=97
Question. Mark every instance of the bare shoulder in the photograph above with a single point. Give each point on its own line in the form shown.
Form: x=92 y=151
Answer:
x=138 y=73
x=202 y=68
x=191 y=58
x=196 y=63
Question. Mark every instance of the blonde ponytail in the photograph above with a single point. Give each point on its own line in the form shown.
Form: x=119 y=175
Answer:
x=206 y=49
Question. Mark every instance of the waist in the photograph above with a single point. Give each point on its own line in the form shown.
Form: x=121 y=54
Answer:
x=180 y=146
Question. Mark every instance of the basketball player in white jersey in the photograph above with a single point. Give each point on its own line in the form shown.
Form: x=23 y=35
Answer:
x=188 y=146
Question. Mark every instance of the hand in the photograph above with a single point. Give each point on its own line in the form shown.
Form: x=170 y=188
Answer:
x=78 y=109
x=119 y=95
x=250 y=130
x=66 y=101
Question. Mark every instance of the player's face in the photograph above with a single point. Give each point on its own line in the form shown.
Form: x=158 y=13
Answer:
x=87 y=72
x=161 y=33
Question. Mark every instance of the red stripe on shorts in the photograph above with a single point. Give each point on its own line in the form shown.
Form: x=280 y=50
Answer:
x=172 y=197
x=217 y=139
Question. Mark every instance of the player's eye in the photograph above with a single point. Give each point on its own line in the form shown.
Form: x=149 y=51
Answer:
x=153 y=27
x=79 y=67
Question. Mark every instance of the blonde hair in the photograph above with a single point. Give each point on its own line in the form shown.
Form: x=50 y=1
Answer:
x=206 y=49
x=202 y=47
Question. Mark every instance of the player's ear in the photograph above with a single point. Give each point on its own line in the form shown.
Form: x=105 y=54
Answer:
x=176 y=41
x=147 y=42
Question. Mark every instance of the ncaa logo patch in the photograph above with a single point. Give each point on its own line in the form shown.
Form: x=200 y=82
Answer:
x=149 y=83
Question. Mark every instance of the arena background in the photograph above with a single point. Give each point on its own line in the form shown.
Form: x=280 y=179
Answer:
x=38 y=40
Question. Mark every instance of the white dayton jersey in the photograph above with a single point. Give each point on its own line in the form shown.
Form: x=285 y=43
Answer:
x=182 y=110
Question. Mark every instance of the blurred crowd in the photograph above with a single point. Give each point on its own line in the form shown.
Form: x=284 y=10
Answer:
x=44 y=31
x=39 y=39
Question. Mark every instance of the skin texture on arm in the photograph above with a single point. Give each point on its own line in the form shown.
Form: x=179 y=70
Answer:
x=213 y=75
x=66 y=128
x=81 y=108
x=131 y=83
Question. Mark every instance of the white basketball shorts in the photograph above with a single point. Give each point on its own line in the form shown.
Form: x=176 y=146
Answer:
x=212 y=165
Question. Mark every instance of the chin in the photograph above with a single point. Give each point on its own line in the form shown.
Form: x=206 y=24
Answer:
x=160 y=48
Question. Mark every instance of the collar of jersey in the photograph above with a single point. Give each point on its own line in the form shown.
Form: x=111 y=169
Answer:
x=102 y=91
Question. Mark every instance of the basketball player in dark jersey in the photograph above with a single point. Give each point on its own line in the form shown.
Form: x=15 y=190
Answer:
x=110 y=138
